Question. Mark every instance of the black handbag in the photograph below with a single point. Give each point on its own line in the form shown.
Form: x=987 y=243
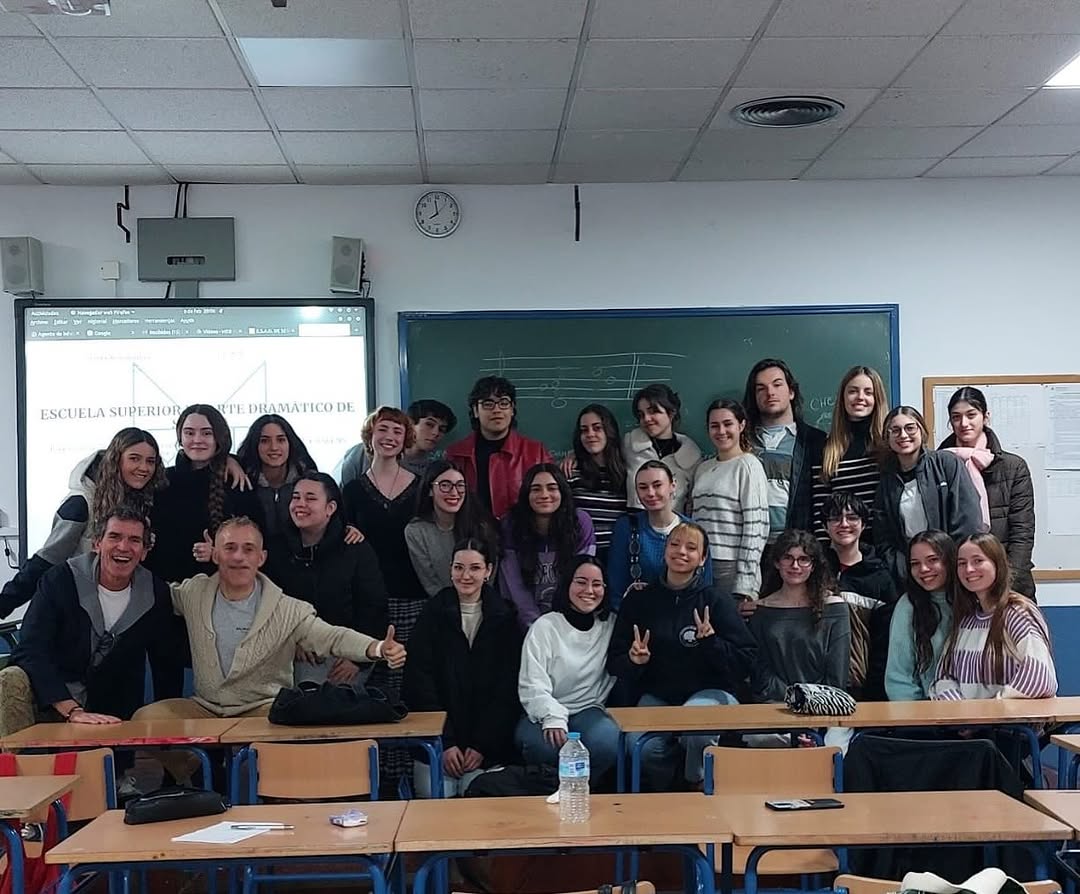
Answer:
x=173 y=803
x=312 y=704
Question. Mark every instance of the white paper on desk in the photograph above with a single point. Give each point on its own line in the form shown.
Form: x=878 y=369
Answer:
x=220 y=833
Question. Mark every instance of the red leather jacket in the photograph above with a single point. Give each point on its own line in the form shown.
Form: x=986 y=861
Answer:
x=506 y=468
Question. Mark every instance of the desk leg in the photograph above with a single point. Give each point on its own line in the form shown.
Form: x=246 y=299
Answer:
x=15 y=854
x=1037 y=780
x=727 y=861
x=433 y=747
x=750 y=876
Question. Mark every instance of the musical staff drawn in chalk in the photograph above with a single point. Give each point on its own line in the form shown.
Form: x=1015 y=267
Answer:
x=583 y=378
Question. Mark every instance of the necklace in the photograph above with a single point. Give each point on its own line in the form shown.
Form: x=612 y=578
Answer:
x=387 y=497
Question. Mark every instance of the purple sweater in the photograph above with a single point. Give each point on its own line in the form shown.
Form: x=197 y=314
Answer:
x=532 y=602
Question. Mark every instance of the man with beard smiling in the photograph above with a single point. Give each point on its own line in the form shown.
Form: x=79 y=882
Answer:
x=244 y=633
x=91 y=624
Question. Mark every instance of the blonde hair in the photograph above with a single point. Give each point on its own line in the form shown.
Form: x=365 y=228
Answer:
x=840 y=434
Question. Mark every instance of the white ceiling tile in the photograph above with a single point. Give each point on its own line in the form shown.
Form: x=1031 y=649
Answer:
x=13 y=24
x=1047 y=106
x=340 y=148
x=53 y=110
x=99 y=175
x=660 y=63
x=314 y=18
x=497 y=18
x=185 y=109
x=311 y=62
x=840 y=61
x=138 y=18
x=860 y=18
x=15 y=175
x=765 y=143
x=31 y=62
x=508 y=174
x=171 y=147
x=630 y=146
x=642 y=109
x=724 y=168
x=371 y=175
x=1069 y=167
x=1016 y=17
x=491 y=109
x=232 y=173
x=968 y=62
x=494 y=63
x=899 y=142
x=464 y=147
x=72 y=147
x=623 y=172
x=127 y=62
x=1030 y=139
x=684 y=18
x=854 y=100
x=993 y=167
x=940 y=108
x=866 y=168
x=344 y=108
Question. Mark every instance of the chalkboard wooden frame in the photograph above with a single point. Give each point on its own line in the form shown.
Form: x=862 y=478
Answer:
x=405 y=318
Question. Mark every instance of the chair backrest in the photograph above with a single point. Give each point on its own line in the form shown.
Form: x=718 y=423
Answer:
x=93 y=794
x=861 y=884
x=786 y=772
x=314 y=771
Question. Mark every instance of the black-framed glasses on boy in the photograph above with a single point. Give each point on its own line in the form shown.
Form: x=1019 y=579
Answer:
x=446 y=487
x=503 y=403
x=796 y=561
x=847 y=518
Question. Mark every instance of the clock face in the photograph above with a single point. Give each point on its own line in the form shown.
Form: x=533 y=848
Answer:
x=437 y=214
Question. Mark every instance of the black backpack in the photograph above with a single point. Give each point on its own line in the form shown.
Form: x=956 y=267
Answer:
x=329 y=704
x=507 y=782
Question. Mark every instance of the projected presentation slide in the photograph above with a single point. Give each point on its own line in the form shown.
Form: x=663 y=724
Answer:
x=91 y=370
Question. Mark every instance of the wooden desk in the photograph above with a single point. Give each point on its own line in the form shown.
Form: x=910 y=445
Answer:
x=1063 y=806
x=22 y=796
x=130 y=733
x=106 y=843
x=970 y=712
x=889 y=818
x=678 y=821
x=423 y=729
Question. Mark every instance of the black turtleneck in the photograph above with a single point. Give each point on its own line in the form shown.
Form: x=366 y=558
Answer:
x=579 y=620
x=860 y=437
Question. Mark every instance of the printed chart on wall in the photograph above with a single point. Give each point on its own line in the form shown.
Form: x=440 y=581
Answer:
x=1037 y=417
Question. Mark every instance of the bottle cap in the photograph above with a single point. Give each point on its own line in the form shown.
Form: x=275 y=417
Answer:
x=573 y=735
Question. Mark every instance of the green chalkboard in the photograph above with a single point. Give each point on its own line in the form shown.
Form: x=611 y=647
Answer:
x=562 y=360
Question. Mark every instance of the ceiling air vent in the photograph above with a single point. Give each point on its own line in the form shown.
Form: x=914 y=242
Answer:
x=787 y=111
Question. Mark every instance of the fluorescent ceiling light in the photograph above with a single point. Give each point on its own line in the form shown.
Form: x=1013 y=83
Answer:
x=1069 y=76
x=329 y=62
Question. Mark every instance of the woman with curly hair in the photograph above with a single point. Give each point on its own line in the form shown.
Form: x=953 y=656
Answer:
x=542 y=534
x=198 y=498
x=126 y=473
x=803 y=630
x=274 y=458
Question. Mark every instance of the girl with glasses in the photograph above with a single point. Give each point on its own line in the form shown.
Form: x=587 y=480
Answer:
x=563 y=683
x=922 y=617
x=920 y=490
x=445 y=514
x=803 y=631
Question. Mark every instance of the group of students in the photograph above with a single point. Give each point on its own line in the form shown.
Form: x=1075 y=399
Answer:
x=532 y=594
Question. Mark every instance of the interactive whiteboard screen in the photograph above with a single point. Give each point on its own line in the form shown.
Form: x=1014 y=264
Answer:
x=86 y=369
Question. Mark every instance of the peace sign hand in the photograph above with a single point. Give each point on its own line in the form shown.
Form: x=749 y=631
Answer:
x=639 y=648
x=703 y=625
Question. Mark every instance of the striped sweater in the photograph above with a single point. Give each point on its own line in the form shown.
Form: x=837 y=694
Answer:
x=966 y=671
x=603 y=504
x=730 y=500
x=859 y=476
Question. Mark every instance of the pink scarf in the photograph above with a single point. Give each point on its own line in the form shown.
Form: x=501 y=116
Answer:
x=975 y=459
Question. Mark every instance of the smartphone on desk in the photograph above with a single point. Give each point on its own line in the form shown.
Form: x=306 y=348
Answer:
x=805 y=804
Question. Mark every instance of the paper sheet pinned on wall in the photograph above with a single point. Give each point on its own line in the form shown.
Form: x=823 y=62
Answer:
x=1063 y=448
x=1063 y=502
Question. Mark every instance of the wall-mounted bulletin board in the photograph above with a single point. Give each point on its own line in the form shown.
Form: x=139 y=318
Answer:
x=1037 y=417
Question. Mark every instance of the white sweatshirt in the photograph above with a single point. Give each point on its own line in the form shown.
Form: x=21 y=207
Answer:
x=563 y=669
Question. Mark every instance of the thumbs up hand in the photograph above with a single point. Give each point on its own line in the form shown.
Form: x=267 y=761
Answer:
x=203 y=549
x=393 y=651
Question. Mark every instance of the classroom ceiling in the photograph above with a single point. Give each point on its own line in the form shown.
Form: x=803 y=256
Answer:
x=533 y=91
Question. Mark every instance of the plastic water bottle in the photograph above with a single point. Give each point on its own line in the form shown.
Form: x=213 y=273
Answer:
x=574 y=780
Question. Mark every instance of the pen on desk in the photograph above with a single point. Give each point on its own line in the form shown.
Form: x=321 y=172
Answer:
x=270 y=826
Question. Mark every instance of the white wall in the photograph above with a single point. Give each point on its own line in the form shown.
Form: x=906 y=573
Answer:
x=984 y=270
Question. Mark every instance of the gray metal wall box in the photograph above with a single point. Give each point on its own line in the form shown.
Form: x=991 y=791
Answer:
x=173 y=249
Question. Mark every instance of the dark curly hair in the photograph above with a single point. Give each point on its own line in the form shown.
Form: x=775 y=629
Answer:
x=563 y=534
x=821 y=584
